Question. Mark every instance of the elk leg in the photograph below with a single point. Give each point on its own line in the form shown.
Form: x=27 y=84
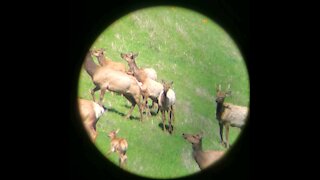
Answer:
x=172 y=114
x=130 y=111
x=93 y=134
x=102 y=91
x=147 y=107
x=227 y=135
x=152 y=105
x=158 y=109
x=170 y=124
x=163 y=120
x=140 y=111
x=221 y=132
x=137 y=99
x=93 y=91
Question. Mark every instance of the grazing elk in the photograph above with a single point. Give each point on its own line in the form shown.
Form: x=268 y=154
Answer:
x=166 y=100
x=151 y=88
x=119 y=145
x=203 y=158
x=90 y=113
x=105 y=78
x=103 y=61
x=229 y=114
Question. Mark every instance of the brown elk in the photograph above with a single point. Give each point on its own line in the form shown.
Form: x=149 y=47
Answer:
x=103 y=61
x=151 y=88
x=203 y=158
x=105 y=78
x=166 y=100
x=228 y=114
x=119 y=145
x=90 y=113
x=149 y=72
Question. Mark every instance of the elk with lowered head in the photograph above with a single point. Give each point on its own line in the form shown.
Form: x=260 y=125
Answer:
x=90 y=113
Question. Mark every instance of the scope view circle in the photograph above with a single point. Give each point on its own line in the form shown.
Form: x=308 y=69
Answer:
x=164 y=92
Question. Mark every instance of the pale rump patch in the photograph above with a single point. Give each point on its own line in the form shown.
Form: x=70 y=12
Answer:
x=98 y=110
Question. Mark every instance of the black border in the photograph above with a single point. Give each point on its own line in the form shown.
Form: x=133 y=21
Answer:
x=87 y=19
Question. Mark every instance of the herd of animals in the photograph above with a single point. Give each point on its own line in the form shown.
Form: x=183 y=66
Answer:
x=138 y=85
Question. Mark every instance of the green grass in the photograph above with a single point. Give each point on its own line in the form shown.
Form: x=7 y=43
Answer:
x=195 y=53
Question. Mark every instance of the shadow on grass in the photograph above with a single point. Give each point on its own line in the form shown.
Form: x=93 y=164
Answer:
x=152 y=111
x=122 y=114
x=166 y=126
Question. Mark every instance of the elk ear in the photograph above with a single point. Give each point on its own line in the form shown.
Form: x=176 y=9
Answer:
x=162 y=81
x=122 y=55
x=218 y=88
x=228 y=93
x=171 y=83
x=135 y=55
x=103 y=49
x=201 y=134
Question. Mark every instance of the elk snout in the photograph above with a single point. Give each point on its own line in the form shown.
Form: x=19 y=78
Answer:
x=184 y=136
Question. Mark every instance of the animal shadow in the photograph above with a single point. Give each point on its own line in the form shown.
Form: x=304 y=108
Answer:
x=116 y=111
x=166 y=126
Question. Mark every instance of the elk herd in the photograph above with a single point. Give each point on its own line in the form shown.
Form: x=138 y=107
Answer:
x=137 y=85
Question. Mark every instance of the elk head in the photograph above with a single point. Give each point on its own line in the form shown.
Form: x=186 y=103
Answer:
x=221 y=95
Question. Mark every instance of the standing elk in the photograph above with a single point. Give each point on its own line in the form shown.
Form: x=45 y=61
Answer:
x=103 y=61
x=151 y=88
x=203 y=158
x=229 y=114
x=166 y=100
x=119 y=145
x=105 y=78
x=149 y=72
x=90 y=113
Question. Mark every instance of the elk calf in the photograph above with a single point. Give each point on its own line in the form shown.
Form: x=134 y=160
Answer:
x=166 y=100
x=90 y=113
x=203 y=158
x=229 y=114
x=119 y=145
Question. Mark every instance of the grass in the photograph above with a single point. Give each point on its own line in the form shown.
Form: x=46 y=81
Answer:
x=195 y=53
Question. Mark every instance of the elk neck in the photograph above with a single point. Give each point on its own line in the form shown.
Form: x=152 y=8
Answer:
x=133 y=67
x=198 y=146
x=220 y=110
x=102 y=59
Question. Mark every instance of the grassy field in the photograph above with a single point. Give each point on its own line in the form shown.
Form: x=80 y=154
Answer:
x=193 y=52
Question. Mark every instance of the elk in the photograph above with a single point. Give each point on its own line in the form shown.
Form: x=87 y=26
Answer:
x=203 y=158
x=119 y=145
x=166 y=100
x=105 y=78
x=151 y=88
x=103 y=61
x=228 y=114
x=149 y=72
x=90 y=113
